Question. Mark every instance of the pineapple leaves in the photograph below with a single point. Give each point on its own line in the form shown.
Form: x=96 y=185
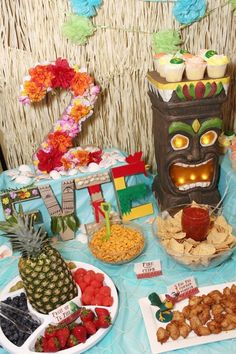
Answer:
x=61 y=223
x=19 y=228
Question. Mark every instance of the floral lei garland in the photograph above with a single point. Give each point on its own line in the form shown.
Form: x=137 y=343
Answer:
x=56 y=152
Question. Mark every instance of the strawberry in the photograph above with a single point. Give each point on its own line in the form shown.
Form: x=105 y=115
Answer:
x=104 y=321
x=104 y=317
x=86 y=315
x=90 y=327
x=62 y=334
x=52 y=345
x=40 y=344
x=50 y=331
x=96 y=322
x=102 y=312
x=72 y=341
x=80 y=333
x=72 y=325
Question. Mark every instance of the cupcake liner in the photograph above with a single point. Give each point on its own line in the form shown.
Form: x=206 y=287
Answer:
x=216 y=71
x=174 y=73
x=195 y=71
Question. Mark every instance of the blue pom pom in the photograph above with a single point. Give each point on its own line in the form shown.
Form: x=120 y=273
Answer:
x=189 y=11
x=87 y=8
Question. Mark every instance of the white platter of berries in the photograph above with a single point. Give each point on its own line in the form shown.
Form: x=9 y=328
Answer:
x=49 y=314
x=23 y=329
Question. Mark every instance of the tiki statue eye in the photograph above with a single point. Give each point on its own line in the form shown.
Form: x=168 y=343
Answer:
x=208 y=138
x=179 y=142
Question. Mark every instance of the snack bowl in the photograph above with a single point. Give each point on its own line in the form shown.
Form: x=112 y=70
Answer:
x=218 y=246
x=126 y=242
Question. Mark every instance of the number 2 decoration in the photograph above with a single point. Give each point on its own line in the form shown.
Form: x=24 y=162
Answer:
x=56 y=152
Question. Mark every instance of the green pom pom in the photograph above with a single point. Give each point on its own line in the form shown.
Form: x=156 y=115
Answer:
x=166 y=41
x=78 y=29
x=233 y=4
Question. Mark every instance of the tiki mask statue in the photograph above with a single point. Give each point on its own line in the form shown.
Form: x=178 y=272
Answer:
x=186 y=148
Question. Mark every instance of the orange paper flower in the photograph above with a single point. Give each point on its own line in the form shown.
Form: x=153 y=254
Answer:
x=24 y=195
x=83 y=157
x=34 y=91
x=66 y=164
x=60 y=141
x=79 y=111
x=42 y=74
x=80 y=83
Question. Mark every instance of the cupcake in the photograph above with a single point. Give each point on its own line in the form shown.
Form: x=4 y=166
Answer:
x=195 y=68
x=216 y=66
x=206 y=54
x=165 y=59
x=174 y=70
x=184 y=54
x=156 y=60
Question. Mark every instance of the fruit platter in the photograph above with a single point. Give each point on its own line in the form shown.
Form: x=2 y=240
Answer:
x=25 y=330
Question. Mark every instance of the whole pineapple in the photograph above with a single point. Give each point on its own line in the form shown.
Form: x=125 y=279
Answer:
x=47 y=280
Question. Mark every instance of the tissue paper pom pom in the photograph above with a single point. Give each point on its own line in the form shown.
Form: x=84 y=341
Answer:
x=85 y=7
x=233 y=4
x=78 y=28
x=166 y=41
x=188 y=11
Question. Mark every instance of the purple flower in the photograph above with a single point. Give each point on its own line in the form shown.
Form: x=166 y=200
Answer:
x=189 y=11
x=35 y=192
x=24 y=100
x=95 y=90
x=13 y=195
x=8 y=211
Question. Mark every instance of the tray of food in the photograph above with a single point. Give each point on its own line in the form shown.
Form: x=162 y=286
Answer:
x=208 y=317
x=23 y=329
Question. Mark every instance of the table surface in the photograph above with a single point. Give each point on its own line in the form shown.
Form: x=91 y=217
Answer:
x=128 y=333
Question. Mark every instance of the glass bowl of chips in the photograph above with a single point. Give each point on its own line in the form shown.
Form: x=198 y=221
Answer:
x=125 y=243
x=196 y=255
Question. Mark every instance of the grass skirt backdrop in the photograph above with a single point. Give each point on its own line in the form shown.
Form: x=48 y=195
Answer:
x=119 y=61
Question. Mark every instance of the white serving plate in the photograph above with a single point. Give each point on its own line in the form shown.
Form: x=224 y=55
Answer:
x=28 y=346
x=152 y=325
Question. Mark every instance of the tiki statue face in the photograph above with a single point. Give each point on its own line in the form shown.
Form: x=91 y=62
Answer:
x=192 y=155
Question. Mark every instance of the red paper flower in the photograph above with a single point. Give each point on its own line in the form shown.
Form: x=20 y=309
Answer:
x=63 y=74
x=60 y=141
x=48 y=161
x=95 y=156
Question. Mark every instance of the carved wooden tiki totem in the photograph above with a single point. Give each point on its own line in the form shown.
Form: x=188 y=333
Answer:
x=187 y=121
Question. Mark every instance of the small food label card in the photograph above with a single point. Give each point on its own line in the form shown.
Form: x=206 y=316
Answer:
x=148 y=269
x=66 y=313
x=183 y=289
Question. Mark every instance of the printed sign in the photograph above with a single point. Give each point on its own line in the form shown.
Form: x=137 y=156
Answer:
x=66 y=313
x=184 y=288
x=148 y=269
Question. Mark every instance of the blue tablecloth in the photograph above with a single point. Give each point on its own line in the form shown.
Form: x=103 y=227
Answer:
x=128 y=333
